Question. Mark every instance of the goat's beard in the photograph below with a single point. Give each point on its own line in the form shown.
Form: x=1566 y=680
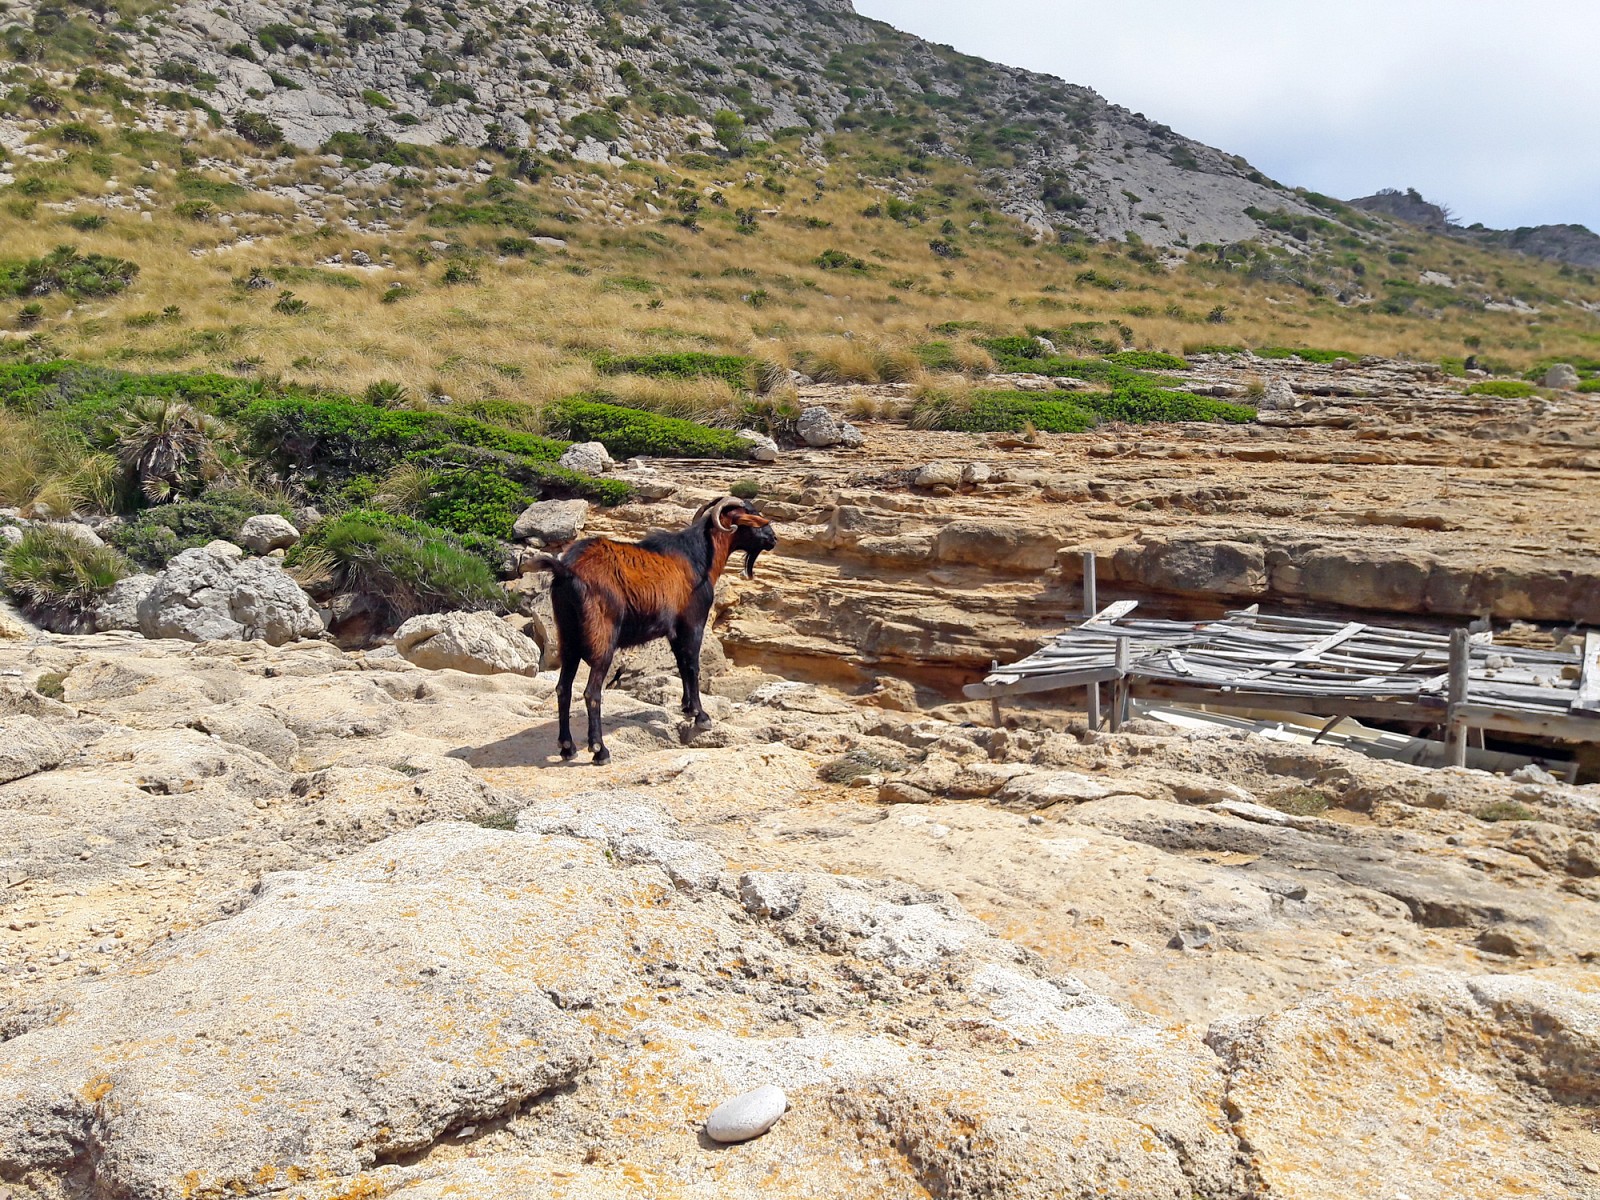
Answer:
x=750 y=557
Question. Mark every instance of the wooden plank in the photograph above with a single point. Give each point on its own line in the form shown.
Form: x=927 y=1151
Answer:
x=1588 y=697
x=1014 y=686
x=1111 y=612
x=1090 y=602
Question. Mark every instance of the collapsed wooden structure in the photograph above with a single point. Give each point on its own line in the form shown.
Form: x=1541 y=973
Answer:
x=1252 y=660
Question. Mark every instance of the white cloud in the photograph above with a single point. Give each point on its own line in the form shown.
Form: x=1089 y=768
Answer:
x=1486 y=105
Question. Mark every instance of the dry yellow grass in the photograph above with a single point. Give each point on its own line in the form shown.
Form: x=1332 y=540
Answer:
x=528 y=328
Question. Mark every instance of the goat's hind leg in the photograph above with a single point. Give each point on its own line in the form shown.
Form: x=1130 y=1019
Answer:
x=592 y=691
x=569 y=672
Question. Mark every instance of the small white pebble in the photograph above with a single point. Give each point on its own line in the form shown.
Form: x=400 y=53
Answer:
x=746 y=1116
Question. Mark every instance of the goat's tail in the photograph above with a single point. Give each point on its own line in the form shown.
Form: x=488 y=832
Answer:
x=549 y=562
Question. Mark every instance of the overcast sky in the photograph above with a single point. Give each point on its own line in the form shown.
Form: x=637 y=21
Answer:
x=1489 y=106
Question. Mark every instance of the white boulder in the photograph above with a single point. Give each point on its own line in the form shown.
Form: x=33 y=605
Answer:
x=215 y=594
x=267 y=532
x=478 y=643
x=588 y=458
x=551 y=521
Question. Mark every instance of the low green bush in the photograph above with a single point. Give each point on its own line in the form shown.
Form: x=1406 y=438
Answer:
x=1149 y=360
x=1304 y=355
x=403 y=567
x=626 y=432
x=1589 y=385
x=154 y=536
x=1001 y=412
x=1506 y=389
x=1506 y=810
x=736 y=370
x=466 y=501
x=335 y=440
x=57 y=577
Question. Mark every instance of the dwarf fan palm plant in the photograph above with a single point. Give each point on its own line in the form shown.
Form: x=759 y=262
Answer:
x=170 y=448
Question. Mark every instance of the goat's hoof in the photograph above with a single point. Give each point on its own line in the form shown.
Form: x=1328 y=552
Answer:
x=602 y=756
x=568 y=751
x=701 y=721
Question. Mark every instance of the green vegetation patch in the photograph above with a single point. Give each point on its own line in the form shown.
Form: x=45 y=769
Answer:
x=336 y=440
x=1506 y=810
x=159 y=533
x=736 y=370
x=1002 y=412
x=1506 y=389
x=1149 y=360
x=65 y=270
x=403 y=567
x=626 y=432
x=1305 y=355
x=57 y=577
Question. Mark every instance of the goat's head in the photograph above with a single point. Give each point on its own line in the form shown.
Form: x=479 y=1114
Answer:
x=751 y=532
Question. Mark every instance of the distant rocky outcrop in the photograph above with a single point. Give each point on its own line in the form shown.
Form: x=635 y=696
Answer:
x=1573 y=244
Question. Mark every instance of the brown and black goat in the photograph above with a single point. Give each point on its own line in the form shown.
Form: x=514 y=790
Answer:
x=610 y=595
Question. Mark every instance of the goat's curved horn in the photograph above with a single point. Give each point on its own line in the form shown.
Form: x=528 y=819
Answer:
x=719 y=507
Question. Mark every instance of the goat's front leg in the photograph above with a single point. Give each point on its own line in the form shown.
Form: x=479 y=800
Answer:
x=592 y=692
x=686 y=648
x=569 y=672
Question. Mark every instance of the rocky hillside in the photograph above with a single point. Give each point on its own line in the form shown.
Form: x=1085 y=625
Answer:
x=650 y=80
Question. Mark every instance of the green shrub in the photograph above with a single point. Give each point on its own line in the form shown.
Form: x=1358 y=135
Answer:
x=153 y=537
x=1304 y=355
x=65 y=270
x=403 y=567
x=599 y=124
x=1212 y=348
x=626 y=432
x=57 y=577
x=745 y=489
x=1589 y=385
x=1149 y=360
x=86 y=222
x=1506 y=389
x=734 y=369
x=468 y=501
x=336 y=440
x=838 y=260
x=259 y=130
x=1001 y=412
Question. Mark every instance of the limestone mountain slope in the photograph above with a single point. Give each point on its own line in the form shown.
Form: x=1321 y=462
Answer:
x=649 y=80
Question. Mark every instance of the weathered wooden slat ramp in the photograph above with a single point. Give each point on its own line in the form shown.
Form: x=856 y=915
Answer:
x=1250 y=659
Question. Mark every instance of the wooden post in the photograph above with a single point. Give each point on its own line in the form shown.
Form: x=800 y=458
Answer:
x=1091 y=606
x=994 y=712
x=1460 y=663
x=1119 y=698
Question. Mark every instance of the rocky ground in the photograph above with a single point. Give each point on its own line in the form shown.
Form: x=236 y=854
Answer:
x=315 y=923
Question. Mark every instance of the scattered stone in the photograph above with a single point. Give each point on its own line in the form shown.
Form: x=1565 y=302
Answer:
x=551 y=522
x=850 y=437
x=747 y=1116
x=587 y=458
x=818 y=427
x=1279 y=397
x=762 y=448
x=943 y=473
x=1563 y=376
x=267 y=532
x=478 y=643
x=975 y=473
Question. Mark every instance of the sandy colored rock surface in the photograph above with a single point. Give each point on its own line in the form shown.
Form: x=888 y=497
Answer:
x=305 y=923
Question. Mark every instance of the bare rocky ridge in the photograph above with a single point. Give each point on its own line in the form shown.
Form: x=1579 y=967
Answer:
x=1574 y=244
